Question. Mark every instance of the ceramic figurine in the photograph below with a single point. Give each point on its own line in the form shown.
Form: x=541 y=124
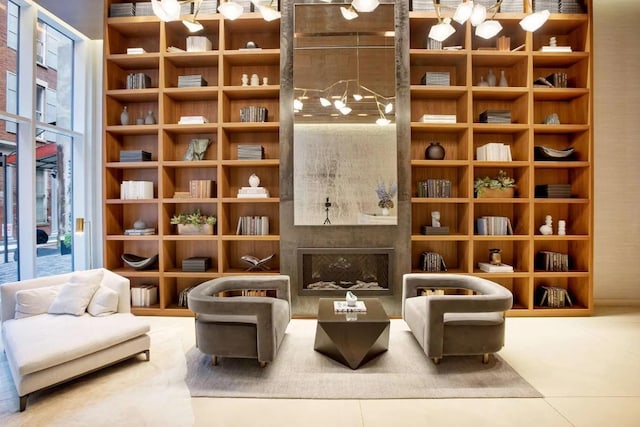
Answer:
x=265 y=81
x=503 y=79
x=124 y=116
x=562 y=227
x=435 y=219
x=150 y=120
x=254 y=180
x=351 y=299
x=255 y=81
x=482 y=82
x=491 y=78
x=547 y=228
x=245 y=80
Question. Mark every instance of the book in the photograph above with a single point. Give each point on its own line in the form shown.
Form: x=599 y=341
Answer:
x=257 y=263
x=495 y=268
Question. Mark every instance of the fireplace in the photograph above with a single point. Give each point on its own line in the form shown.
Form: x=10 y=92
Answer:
x=333 y=271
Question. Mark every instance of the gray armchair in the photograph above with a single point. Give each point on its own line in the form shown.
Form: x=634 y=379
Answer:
x=241 y=326
x=455 y=324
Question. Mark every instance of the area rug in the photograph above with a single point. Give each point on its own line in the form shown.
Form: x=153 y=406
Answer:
x=132 y=393
x=403 y=372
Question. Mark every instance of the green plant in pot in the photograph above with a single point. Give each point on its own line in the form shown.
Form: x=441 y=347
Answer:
x=501 y=185
x=194 y=222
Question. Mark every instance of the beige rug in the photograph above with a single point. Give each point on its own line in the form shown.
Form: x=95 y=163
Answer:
x=132 y=393
x=401 y=372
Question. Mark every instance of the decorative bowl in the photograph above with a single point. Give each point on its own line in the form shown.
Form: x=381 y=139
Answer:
x=139 y=263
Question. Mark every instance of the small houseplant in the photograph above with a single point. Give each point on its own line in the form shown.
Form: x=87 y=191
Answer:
x=194 y=222
x=500 y=186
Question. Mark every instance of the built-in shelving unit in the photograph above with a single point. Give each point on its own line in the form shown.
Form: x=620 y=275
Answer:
x=219 y=102
x=463 y=248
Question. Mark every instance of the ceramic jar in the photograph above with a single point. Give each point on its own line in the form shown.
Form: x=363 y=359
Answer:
x=434 y=151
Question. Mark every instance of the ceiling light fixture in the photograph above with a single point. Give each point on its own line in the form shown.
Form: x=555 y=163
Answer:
x=365 y=5
x=478 y=14
x=463 y=12
x=268 y=12
x=488 y=29
x=442 y=31
x=349 y=13
x=192 y=25
x=230 y=10
x=166 y=10
x=534 y=21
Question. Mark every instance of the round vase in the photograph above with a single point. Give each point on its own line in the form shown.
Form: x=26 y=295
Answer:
x=385 y=211
x=124 y=116
x=503 y=79
x=139 y=224
x=491 y=78
x=149 y=120
x=254 y=180
x=434 y=151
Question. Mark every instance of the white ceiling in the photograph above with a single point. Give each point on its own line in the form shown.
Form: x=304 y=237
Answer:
x=84 y=15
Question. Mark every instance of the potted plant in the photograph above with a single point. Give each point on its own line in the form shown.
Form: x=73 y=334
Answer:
x=194 y=222
x=65 y=244
x=500 y=186
x=385 y=196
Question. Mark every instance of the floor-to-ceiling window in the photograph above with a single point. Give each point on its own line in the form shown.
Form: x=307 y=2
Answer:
x=38 y=141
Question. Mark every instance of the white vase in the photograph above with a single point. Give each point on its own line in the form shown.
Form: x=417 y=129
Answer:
x=491 y=78
x=254 y=180
x=503 y=79
x=124 y=116
x=385 y=211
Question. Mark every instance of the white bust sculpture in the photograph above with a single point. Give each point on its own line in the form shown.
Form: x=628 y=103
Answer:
x=547 y=228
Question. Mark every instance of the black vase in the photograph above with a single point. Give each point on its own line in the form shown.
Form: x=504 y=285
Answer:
x=434 y=151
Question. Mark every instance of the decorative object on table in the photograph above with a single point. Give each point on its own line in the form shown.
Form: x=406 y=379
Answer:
x=548 y=153
x=562 y=227
x=491 y=78
x=253 y=190
x=255 y=80
x=435 y=219
x=503 y=43
x=503 y=79
x=482 y=82
x=435 y=228
x=432 y=262
x=495 y=256
x=434 y=151
x=500 y=186
x=551 y=119
x=135 y=156
x=327 y=205
x=139 y=224
x=140 y=121
x=385 y=196
x=149 y=119
x=139 y=262
x=194 y=222
x=197 y=149
x=251 y=45
x=245 y=80
x=256 y=263
x=265 y=81
x=552 y=296
x=351 y=299
x=344 y=307
x=547 y=228
x=124 y=116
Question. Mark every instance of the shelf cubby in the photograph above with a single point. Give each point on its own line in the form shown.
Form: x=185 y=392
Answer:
x=454 y=215
x=455 y=253
x=516 y=253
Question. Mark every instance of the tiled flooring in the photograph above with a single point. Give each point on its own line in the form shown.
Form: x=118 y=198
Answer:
x=588 y=370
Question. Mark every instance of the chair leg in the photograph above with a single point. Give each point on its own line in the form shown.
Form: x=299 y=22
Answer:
x=262 y=364
x=436 y=360
x=147 y=354
x=23 y=402
x=214 y=360
x=485 y=358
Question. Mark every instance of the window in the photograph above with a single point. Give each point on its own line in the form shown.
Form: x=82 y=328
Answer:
x=12 y=25
x=12 y=100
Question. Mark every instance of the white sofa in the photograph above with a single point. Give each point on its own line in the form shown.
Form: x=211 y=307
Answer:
x=47 y=349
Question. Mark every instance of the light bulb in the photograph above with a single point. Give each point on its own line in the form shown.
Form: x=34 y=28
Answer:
x=388 y=108
x=166 y=10
x=365 y=5
x=534 y=21
x=463 y=12
x=297 y=104
x=478 y=15
x=357 y=97
x=325 y=102
x=382 y=121
x=230 y=10
x=440 y=32
x=345 y=110
x=193 y=26
x=339 y=104
x=349 y=13
x=488 y=29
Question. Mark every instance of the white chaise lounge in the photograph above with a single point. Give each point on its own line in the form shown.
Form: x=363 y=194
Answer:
x=92 y=327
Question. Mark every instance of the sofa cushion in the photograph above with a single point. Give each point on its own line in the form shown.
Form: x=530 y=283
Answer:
x=40 y=342
x=30 y=302
x=104 y=302
x=74 y=297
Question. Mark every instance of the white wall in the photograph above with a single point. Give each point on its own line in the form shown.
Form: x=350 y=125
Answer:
x=617 y=149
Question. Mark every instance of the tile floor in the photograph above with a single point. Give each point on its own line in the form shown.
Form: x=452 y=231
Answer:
x=588 y=370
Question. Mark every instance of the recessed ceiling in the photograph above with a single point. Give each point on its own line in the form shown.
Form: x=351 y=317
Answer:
x=85 y=16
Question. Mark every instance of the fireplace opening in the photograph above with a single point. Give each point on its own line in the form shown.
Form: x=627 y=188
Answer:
x=333 y=271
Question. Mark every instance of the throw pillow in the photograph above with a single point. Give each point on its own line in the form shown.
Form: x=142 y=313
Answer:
x=31 y=302
x=74 y=297
x=104 y=302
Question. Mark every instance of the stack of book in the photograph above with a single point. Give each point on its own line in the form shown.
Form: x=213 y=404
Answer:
x=195 y=80
x=553 y=191
x=438 y=118
x=198 y=44
x=432 y=261
x=208 y=6
x=131 y=190
x=201 y=188
x=253 y=113
x=552 y=6
x=138 y=81
x=143 y=8
x=512 y=6
x=495 y=268
x=139 y=231
x=494 y=226
x=192 y=120
x=440 y=78
x=557 y=79
x=552 y=296
x=253 y=226
x=134 y=156
x=135 y=50
x=144 y=295
x=196 y=264
x=552 y=261
x=440 y=188
x=495 y=116
x=247 y=6
x=573 y=6
x=429 y=230
x=423 y=5
x=250 y=152
x=182 y=297
x=252 y=192
x=494 y=152
x=121 y=9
